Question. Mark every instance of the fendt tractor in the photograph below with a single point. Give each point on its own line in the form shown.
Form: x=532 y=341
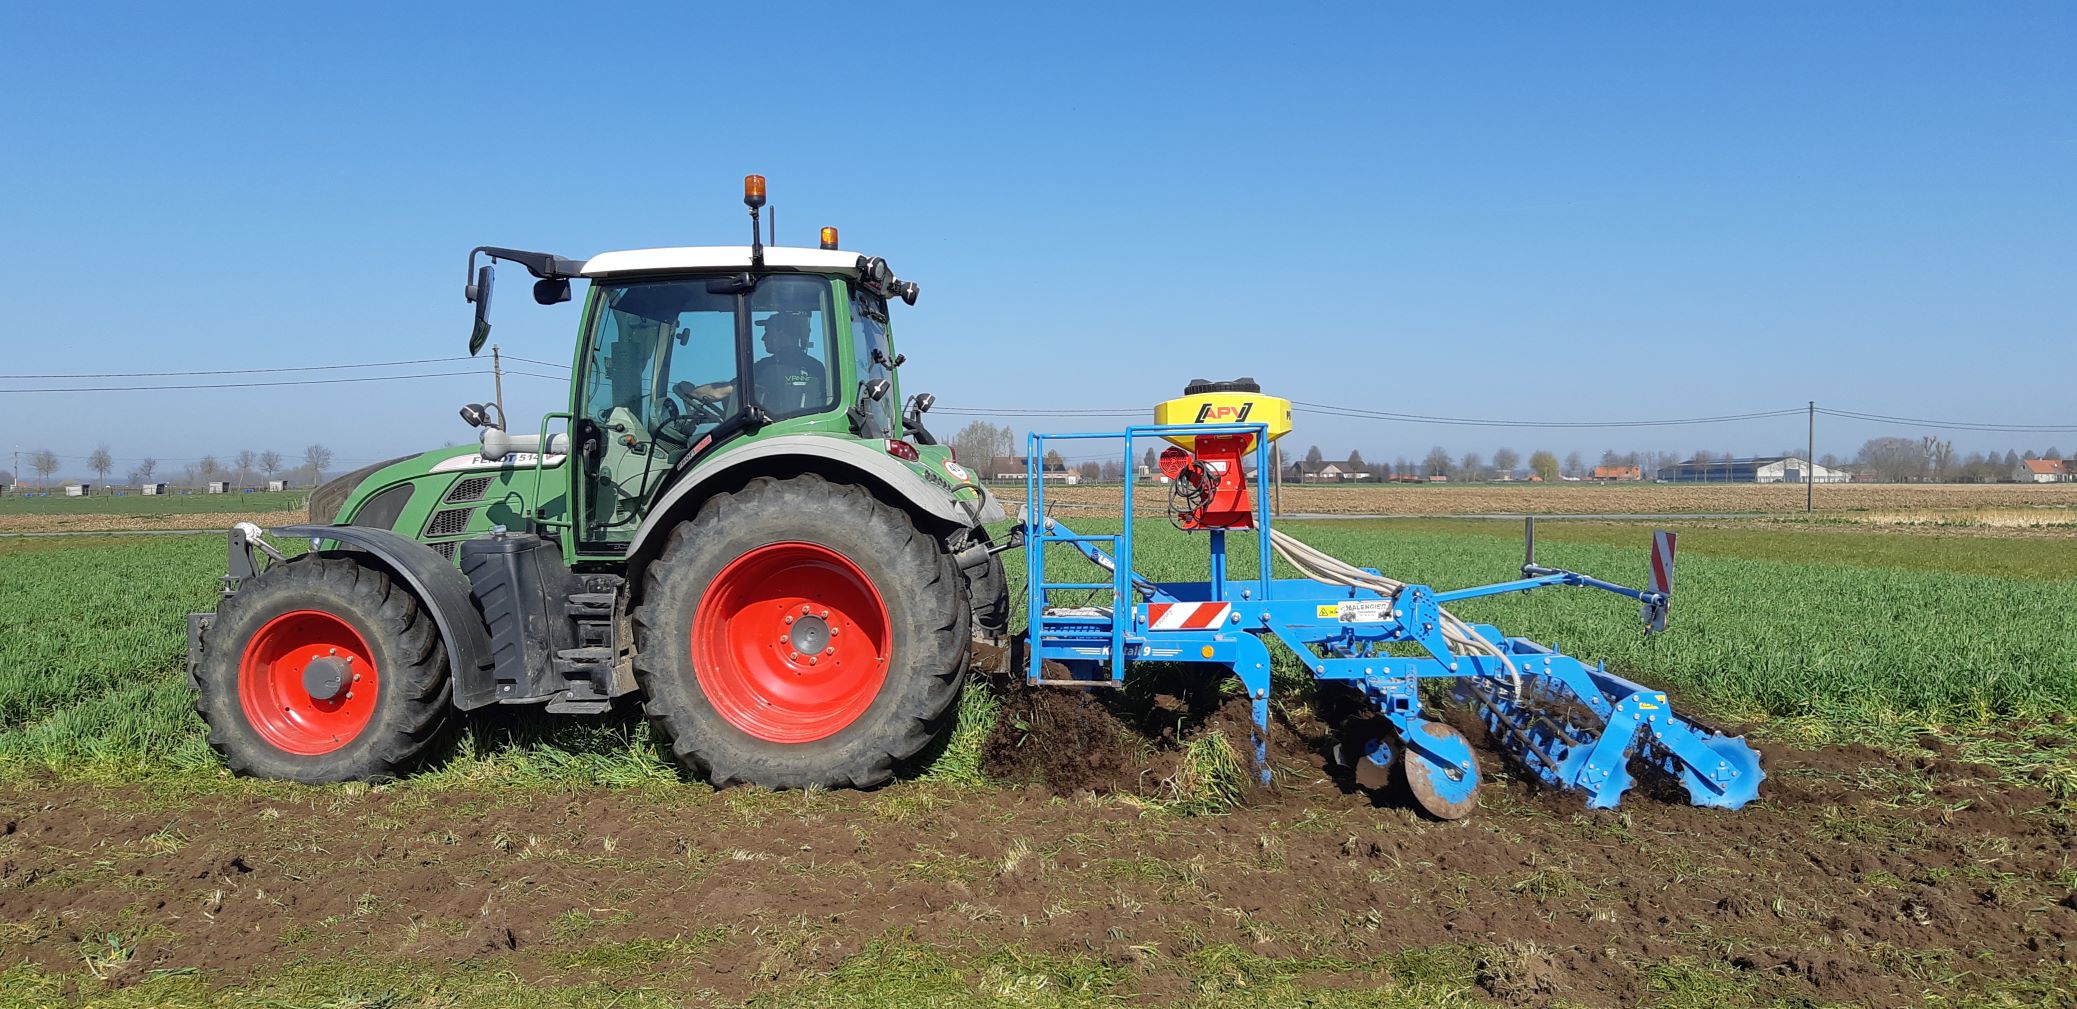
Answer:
x=733 y=522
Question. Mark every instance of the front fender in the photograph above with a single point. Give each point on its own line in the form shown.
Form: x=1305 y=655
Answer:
x=440 y=587
x=931 y=495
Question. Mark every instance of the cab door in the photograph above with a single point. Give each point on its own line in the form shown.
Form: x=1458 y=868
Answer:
x=651 y=344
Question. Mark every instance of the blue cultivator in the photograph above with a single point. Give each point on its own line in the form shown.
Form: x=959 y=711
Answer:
x=1571 y=724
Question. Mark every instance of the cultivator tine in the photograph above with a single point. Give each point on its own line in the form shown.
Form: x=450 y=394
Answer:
x=1575 y=729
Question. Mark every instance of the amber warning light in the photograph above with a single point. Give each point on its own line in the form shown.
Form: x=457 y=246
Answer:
x=753 y=190
x=829 y=238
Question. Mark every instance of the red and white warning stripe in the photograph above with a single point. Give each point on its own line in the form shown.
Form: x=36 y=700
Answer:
x=1662 y=562
x=1185 y=616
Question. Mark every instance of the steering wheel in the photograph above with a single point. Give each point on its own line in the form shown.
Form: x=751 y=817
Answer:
x=703 y=410
x=675 y=428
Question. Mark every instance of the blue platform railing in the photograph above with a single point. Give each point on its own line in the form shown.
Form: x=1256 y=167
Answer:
x=1125 y=586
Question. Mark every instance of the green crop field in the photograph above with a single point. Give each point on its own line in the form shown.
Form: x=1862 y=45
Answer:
x=1840 y=628
x=163 y=504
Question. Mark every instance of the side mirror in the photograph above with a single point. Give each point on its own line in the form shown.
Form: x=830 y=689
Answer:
x=554 y=291
x=479 y=292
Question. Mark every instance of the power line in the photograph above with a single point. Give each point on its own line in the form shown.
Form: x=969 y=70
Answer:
x=544 y=364
x=1954 y=425
x=249 y=385
x=1414 y=418
x=1324 y=409
x=1357 y=413
x=967 y=411
x=238 y=371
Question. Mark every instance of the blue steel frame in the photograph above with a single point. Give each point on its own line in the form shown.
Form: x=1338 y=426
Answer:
x=1571 y=724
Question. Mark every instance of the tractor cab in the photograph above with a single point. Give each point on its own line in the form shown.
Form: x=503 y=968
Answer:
x=686 y=351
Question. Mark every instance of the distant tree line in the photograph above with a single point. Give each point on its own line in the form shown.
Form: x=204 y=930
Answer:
x=194 y=475
x=1889 y=459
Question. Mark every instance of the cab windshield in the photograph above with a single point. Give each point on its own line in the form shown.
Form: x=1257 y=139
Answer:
x=669 y=360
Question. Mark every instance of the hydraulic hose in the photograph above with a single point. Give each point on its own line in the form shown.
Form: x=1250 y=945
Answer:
x=1327 y=569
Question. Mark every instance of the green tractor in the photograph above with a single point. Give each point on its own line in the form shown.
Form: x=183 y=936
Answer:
x=731 y=520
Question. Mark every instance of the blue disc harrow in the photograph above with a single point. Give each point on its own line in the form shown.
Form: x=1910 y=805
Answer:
x=1568 y=723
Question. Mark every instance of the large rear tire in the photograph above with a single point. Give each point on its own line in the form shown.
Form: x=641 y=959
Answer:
x=322 y=669
x=800 y=632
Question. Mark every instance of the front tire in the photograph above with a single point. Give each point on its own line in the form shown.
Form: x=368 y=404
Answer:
x=322 y=669
x=800 y=633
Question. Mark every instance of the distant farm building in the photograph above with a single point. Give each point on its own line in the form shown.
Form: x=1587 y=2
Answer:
x=78 y=489
x=1761 y=469
x=217 y=487
x=2048 y=470
x=153 y=489
x=1011 y=467
x=1324 y=472
x=1618 y=473
x=277 y=485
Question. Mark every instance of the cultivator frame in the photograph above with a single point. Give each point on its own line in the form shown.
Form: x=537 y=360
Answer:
x=1570 y=724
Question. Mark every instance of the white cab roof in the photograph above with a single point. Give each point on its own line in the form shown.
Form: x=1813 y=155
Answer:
x=721 y=257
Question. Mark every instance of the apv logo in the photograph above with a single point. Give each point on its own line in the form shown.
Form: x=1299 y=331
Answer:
x=1223 y=414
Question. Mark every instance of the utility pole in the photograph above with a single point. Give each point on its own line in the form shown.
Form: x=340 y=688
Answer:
x=497 y=374
x=1810 y=465
x=1276 y=459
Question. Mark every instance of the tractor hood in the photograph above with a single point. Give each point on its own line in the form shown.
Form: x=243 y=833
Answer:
x=431 y=477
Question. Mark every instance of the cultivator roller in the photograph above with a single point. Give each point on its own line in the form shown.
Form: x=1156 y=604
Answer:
x=1568 y=724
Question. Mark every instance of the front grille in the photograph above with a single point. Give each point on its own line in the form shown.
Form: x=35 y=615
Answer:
x=468 y=489
x=449 y=522
x=446 y=549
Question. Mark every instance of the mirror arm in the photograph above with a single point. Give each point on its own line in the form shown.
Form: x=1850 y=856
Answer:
x=543 y=265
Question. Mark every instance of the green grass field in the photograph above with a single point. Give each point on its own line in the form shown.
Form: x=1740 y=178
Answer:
x=1840 y=628
x=134 y=503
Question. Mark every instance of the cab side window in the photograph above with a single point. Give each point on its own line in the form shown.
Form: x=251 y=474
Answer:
x=789 y=320
x=871 y=356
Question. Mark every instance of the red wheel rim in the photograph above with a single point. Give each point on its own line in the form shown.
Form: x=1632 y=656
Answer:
x=307 y=682
x=791 y=642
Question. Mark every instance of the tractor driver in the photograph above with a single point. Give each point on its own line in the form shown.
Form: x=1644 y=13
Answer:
x=788 y=379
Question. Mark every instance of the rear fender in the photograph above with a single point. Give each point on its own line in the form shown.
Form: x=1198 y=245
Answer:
x=788 y=455
x=439 y=586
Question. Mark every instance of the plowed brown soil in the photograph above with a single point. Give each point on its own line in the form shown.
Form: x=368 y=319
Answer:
x=1858 y=879
x=127 y=523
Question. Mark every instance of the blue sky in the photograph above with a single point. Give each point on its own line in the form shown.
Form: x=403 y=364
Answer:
x=1577 y=212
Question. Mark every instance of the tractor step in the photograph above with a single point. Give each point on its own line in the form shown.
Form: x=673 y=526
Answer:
x=577 y=660
x=589 y=605
x=584 y=706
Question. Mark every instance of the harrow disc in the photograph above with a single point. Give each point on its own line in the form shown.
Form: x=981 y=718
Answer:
x=1440 y=771
x=1733 y=782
